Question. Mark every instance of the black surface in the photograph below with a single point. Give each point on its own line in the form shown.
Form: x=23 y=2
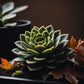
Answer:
x=14 y=80
x=8 y=35
x=10 y=80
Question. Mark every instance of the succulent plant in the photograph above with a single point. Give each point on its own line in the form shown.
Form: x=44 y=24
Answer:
x=7 y=12
x=42 y=47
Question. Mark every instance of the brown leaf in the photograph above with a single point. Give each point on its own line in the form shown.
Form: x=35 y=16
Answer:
x=73 y=43
x=79 y=51
x=58 y=73
x=72 y=79
x=69 y=72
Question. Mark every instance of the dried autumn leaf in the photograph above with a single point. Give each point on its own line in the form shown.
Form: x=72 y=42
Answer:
x=79 y=51
x=72 y=79
x=81 y=48
x=5 y=65
x=69 y=72
x=73 y=43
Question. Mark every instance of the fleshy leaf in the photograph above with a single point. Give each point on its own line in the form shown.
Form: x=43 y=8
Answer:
x=19 y=9
x=47 y=51
x=20 y=53
x=57 y=33
x=57 y=40
x=27 y=39
x=35 y=30
x=7 y=7
x=68 y=51
x=49 y=28
x=40 y=48
x=18 y=59
x=31 y=62
x=22 y=37
x=7 y=17
x=62 y=44
x=32 y=44
x=63 y=37
x=46 y=33
x=18 y=44
x=42 y=29
x=10 y=24
x=31 y=51
x=27 y=33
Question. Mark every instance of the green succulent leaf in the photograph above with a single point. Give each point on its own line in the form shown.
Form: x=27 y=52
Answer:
x=25 y=45
x=27 y=33
x=32 y=44
x=63 y=37
x=57 y=33
x=19 y=9
x=52 y=36
x=10 y=24
x=47 y=51
x=62 y=44
x=22 y=37
x=31 y=51
x=48 y=44
x=39 y=59
x=42 y=29
x=7 y=7
x=18 y=44
x=68 y=51
x=40 y=48
x=7 y=17
x=34 y=30
x=27 y=39
x=46 y=33
x=20 y=53
x=57 y=41
x=32 y=34
x=49 y=28
x=31 y=62
x=18 y=59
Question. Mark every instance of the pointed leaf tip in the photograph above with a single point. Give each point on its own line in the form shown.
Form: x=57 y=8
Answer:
x=73 y=43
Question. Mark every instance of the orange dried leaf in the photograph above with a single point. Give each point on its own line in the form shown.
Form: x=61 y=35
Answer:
x=5 y=65
x=73 y=43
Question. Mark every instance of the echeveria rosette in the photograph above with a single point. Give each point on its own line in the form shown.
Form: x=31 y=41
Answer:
x=42 y=47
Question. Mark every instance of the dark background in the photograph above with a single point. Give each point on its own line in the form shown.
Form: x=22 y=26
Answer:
x=67 y=15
